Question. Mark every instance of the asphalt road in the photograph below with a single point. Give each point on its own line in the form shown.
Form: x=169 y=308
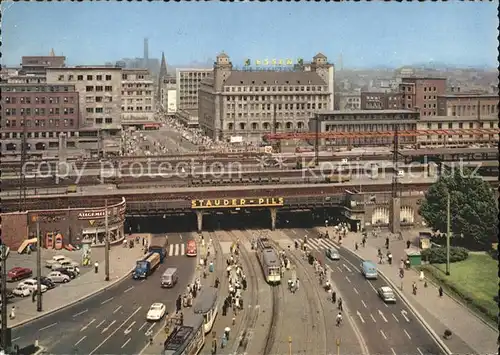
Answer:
x=113 y=321
x=386 y=328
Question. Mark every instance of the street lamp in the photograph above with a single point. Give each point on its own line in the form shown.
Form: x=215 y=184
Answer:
x=448 y=231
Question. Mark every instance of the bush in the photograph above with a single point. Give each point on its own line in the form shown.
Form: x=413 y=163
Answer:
x=437 y=255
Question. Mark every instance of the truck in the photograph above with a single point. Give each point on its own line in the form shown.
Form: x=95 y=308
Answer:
x=162 y=250
x=145 y=267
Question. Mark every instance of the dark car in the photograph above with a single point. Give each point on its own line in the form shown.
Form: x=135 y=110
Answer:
x=19 y=273
x=47 y=282
x=64 y=271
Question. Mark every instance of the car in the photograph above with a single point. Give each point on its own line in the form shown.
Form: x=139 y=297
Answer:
x=55 y=260
x=65 y=271
x=47 y=282
x=19 y=273
x=73 y=269
x=387 y=294
x=58 y=277
x=156 y=312
x=64 y=264
x=22 y=290
x=33 y=285
x=332 y=254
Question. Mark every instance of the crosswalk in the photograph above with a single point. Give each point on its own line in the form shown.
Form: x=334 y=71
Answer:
x=177 y=249
x=321 y=244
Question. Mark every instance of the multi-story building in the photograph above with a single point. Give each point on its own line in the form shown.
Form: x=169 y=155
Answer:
x=420 y=93
x=100 y=105
x=345 y=101
x=37 y=65
x=248 y=104
x=39 y=112
x=188 y=84
x=137 y=96
x=365 y=121
x=386 y=100
x=467 y=104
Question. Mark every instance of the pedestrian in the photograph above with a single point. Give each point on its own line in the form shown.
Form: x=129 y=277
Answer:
x=334 y=297
x=408 y=244
x=363 y=241
x=33 y=296
x=340 y=305
x=387 y=242
x=297 y=284
x=356 y=246
x=178 y=304
x=414 y=287
x=440 y=291
x=13 y=312
x=96 y=267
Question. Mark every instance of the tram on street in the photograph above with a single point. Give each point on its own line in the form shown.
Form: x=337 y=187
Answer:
x=269 y=261
x=206 y=306
x=187 y=339
x=191 y=249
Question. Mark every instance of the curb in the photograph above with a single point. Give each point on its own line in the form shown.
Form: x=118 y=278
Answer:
x=422 y=321
x=72 y=303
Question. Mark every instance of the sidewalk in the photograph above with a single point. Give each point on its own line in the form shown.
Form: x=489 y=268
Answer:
x=440 y=313
x=122 y=261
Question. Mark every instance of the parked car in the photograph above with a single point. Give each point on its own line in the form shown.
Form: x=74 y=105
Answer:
x=47 y=282
x=64 y=271
x=58 y=277
x=19 y=273
x=55 y=260
x=22 y=290
x=72 y=268
x=33 y=285
x=64 y=264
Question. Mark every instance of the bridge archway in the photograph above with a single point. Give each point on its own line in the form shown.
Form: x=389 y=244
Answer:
x=407 y=214
x=380 y=216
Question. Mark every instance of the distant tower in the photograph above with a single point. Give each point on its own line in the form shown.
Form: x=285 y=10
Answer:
x=222 y=70
x=341 y=63
x=161 y=95
x=146 y=53
x=52 y=53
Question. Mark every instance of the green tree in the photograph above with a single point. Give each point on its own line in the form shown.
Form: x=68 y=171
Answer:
x=473 y=206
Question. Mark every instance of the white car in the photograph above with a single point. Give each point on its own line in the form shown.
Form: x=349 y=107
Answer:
x=387 y=294
x=156 y=311
x=58 y=277
x=73 y=269
x=22 y=290
x=55 y=260
x=33 y=285
x=64 y=264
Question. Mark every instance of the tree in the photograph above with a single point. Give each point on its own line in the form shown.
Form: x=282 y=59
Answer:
x=473 y=207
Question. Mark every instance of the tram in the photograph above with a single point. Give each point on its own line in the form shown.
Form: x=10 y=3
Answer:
x=191 y=249
x=206 y=306
x=269 y=261
x=187 y=339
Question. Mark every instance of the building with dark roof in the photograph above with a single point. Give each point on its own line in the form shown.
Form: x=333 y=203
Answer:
x=249 y=104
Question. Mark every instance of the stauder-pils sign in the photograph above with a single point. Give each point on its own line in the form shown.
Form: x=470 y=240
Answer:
x=238 y=202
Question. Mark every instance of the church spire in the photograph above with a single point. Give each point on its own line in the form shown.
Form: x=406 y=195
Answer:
x=52 y=54
x=163 y=66
x=161 y=79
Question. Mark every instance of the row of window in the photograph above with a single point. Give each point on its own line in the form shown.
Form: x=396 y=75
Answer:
x=367 y=127
x=429 y=113
x=138 y=108
x=38 y=88
x=231 y=115
x=98 y=120
x=71 y=77
x=486 y=109
x=107 y=110
x=271 y=88
x=430 y=88
x=277 y=98
x=56 y=122
x=300 y=106
x=404 y=116
x=433 y=97
x=133 y=77
x=39 y=100
x=136 y=93
x=131 y=101
x=98 y=88
x=39 y=111
x=50 y=134
x=265 y=126
x=92 y=99
x=136 y=85
x=453 y=125
x=429 y=105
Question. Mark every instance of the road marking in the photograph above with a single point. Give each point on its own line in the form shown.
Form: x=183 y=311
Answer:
x=150 y=330
x=364 y=304
x=171 y=250
x=381 y=332
x=114 y=332
x=382 y=315
x=88 y=325
x=339 y=269
x=47 y=327
x=142 y=326
x=348 y=279
x=420 y=351
x=107 y=328
x=386 y=306
x=393 y=351
x=373 y=318
x=354 y=288
x=143 y=280
x=109 y=299
x=182 y=249
x=100 y=324
x=294 y=232
x=79 y=341
x=117 y=309
x=405 y=315
x=80 y=313
x=347 y=267
x=180 y=235
x=352 y=265
x=176 y=249
x=369 y=283
x=129 y=329
x=128 y=289
x=408 y=335
x=360 y=318
x=396 y=318
x=125 y=344
x=16 y=338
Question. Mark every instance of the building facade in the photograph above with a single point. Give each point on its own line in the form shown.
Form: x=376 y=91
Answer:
x=365 y=121
x=248 y=104
x=100 y=105
x=346 y=101
x=372 y=100
x=467 y=104
x=37 y=65
x=40 y=112
x=137 y=95
x=420 y=93
x=188 y=84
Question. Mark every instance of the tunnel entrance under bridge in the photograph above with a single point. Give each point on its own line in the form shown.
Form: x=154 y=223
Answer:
x=316 y=217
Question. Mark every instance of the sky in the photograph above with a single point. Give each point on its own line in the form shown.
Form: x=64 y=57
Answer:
x=364 y=34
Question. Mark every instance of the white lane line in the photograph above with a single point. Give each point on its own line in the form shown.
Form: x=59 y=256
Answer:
x=396 y=318
x=381 y=332
x=106 y=301
x=408 y=335
x=47 y=327
x=125 y=344
x=150 y=330
x=347 y=268
x=405 y=315
x=128 y=289
x=369 y=283
x=107 y=328
x=382 y=315
x=393 y=351
x=360 y=318
x=354 y=288
x=16 y=338
x=88 y=325
x=373 y=318
x=352 y=265
x=420 y=351
x=80 y=313
x=129 y=328
x=176 y=249
x=79 y=341
x=348 y=279
x=171 y=250
x=117 y=309
x=182 y=249
x=100 y=324
x=293 y=231
x=364 y=304
x=339 y=269
x=142 y=326
x=114 y=332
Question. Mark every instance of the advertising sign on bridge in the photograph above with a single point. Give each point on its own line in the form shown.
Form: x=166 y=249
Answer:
x=238 y=202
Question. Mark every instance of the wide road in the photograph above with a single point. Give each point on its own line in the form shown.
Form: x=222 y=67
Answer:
x=386 y=328
x=113 y=321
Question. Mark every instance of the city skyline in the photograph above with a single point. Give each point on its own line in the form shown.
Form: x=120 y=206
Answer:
x=366 y=34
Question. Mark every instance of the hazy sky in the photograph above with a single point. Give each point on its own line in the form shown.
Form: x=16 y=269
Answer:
x=367 y=34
